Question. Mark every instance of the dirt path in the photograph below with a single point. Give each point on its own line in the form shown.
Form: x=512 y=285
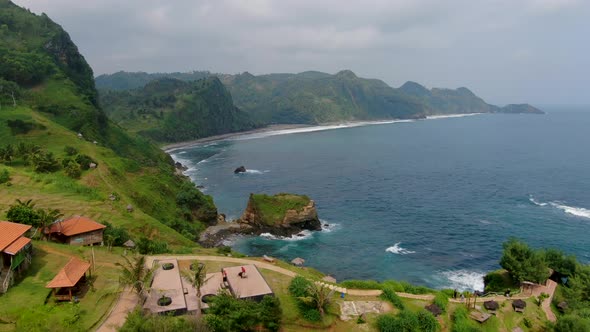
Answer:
x=118 y=314
x=548 y=289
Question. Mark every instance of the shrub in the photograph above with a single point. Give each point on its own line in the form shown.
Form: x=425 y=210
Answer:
x=413 y=289
x=405 y=321
x=572 y=323
x=299 y=286
x=18 y=127
x=441 y=300
x=70 y=150
x=427 y=322
x=394 y=284
x=224 y=250
x=84 y=161
x=390 y=295
x=361 y=284
x=312 y=315
x=118 y=235
x=146 y=246
x=4 y=176
x=498 y=281
x=72 y=169
x=462 y=322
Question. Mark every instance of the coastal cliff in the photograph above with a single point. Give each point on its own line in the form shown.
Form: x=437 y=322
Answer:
x=281 y=215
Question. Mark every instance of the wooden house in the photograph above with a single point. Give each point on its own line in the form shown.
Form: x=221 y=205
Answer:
x=78 y=230
x=15 y=252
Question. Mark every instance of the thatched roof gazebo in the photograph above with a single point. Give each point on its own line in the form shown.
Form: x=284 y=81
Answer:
x=434 y=309
x=68 y=279
x=518 y=305
x=298 y=261
x=491 y=305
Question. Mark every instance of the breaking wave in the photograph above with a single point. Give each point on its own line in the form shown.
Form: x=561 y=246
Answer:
x=573 y=210
x=462 y=280
x=398 y=250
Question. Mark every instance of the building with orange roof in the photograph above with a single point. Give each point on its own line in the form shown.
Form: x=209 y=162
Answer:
x=15 y=252
x=69 y=280
x=77 y=230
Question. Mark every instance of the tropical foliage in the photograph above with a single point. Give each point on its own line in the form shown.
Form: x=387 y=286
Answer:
x=228 y=314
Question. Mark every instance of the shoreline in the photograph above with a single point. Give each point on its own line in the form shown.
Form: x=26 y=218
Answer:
x=214 y=138
x=302 y=128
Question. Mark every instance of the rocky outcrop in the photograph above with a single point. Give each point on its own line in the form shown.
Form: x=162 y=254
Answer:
x=240 y=169
x=293 y=220
x=283 y=215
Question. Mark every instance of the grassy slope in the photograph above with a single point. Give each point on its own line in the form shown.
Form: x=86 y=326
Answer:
x=23 y=306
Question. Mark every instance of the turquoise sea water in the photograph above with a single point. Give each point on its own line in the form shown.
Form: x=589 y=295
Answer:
x=429 y=201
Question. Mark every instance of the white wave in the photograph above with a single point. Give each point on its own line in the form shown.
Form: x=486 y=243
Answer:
x=534 y=201
x=305 y=234
x=255 y=171
x=576 y=211
x=398 y=250
x=573 y=210
x=463 y=280
x=485 y=222
x=182 y=152
x=434 y=117
x=328 y=227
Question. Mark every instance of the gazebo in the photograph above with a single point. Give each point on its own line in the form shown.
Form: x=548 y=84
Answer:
x=518 y=305
x=491 y=305
x=68 y=279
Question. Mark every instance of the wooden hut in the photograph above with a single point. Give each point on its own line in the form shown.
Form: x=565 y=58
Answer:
x=69 y=279
x=518 y=305
x=491 y=305
x=77 y=230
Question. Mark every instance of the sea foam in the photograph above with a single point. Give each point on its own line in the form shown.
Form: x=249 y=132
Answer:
x=573 y=210
x=463 y=280
x=398 y=250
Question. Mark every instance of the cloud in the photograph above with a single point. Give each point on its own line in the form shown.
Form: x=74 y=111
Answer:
x=439 y=43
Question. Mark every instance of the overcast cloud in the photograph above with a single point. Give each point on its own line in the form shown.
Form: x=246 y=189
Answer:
x=506 y=51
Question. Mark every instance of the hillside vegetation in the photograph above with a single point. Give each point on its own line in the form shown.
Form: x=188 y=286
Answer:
x=171 y=110
x=51 y=128
x=315 y=97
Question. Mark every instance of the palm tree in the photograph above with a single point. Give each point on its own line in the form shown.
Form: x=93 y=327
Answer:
x=136 y=274
x=46 y=217
x=196 y=276
x=318 y=296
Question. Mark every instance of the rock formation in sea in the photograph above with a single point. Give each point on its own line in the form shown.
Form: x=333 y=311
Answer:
x=280 y=215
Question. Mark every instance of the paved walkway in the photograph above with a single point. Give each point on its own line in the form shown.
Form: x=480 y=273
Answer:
x=549 y=289
x=116 y=318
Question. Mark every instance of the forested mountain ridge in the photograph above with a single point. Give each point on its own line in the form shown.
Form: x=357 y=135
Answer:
x=171 y=110
x=51 y=128
x=314 y=97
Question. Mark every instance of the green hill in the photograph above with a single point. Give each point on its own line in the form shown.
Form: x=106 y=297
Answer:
x=172 y=110
x=127 y=81
x=314 y=97
x=51 y=127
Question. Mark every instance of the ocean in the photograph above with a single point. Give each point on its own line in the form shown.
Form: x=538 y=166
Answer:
x=427 y=201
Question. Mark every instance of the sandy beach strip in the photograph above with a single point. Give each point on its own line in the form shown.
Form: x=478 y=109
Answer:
x=180 y=145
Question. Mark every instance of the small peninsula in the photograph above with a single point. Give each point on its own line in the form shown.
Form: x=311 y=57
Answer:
x=281 y=215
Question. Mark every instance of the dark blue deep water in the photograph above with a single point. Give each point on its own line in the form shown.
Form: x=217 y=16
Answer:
x=430 y=201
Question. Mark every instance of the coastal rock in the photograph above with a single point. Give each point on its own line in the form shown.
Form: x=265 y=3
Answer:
x=281 y=215
x=272 y=214
x=240 y=169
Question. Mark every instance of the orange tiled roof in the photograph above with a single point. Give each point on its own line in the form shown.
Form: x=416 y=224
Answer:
x=75 y=225
x=10 y=232
x=17 y=245
x=70 y=274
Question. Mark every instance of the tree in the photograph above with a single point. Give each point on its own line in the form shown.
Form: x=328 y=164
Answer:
x=196 y=276
x=136 y=274
x=23 y=212
x=318 y=296
x=46 y=217
x=523 y=263
x=7 y=153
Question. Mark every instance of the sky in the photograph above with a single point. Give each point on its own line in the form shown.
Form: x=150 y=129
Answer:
x=506 y=51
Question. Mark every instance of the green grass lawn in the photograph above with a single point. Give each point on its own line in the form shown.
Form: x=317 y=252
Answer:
x=28 y=305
